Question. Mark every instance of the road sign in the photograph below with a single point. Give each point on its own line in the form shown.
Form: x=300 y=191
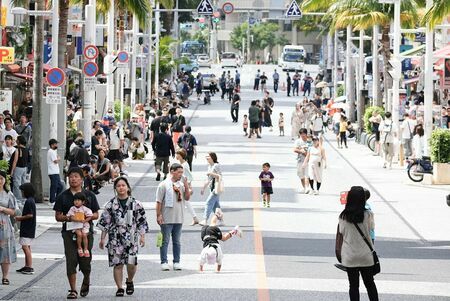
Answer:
x=6 y=55
x=205 y=8
x=90 y=83
x=6 y=102
x=293 y=10
x=228 y=8
x=90 y=52
x=53 y=96
x=90 y=69
x=56 y=77
x=123 y=57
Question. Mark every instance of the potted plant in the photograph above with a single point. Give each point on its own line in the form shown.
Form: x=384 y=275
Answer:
x=440 y=156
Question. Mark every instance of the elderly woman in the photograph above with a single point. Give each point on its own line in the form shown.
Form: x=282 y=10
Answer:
x=297 y=120
x=7 y=241
x=125 y=223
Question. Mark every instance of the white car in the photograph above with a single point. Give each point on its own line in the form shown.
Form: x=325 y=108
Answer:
x=203 y=61
x=229 y=59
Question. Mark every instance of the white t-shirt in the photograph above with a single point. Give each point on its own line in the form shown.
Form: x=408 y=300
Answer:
x=317 y=124
x=407 y=127
x=337 y=117
x=8 y=152
x=299 y=143
x=114 y=139
x=11 y=132
x=53 y=168
x=388 y=130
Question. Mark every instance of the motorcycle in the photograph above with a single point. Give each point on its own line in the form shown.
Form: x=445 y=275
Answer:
x=417 y=168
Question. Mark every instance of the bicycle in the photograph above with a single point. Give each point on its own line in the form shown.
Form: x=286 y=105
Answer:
x=371 y=142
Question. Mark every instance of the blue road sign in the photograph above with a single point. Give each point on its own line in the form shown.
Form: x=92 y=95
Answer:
x=205 y=8
x=293 y=10
x=55 y=77
x=123 y=57
x=90 y=69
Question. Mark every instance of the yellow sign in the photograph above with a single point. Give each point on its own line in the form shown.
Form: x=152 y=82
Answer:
x=6 y=55
x=4 y=8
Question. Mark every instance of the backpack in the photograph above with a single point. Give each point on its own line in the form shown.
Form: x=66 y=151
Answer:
x=186 y=143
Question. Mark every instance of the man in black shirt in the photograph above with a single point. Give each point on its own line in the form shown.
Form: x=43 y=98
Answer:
x=62 y=205
x=188 y=142
x=288 y=84
x=163 y=147
x=154 y=126
x=235 y=106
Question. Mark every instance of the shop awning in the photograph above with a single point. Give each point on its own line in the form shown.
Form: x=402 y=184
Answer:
x=439 y=53
x=413 y=51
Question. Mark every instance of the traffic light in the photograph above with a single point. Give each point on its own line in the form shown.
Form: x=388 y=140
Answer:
x=216 y=17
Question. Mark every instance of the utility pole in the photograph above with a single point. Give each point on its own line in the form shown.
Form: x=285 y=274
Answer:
x=349 y=83
x=335 y=60
x=377 y=99
x=108 y=62
x=55 y=32
x=248 y=37
x=176 y=27
x=133 y=61
x=158 y=32
x=89 y=96
x=428 y=82
x=360 y=100
x=150 y=55
x=397 y=65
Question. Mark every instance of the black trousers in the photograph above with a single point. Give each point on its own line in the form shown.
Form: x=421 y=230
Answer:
x=224 y=91
x=275 y=86
x=235 y=113
x=367 y=276
x=288 y=90
x=256 y=85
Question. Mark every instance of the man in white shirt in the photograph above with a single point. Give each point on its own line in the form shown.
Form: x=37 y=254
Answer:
x=56 y=187
x=301 y=149
x=8 y=130
x=388 y=131
x=408 y=127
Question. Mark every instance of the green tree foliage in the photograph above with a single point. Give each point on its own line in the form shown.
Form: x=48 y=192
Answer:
x=264 y=34
x=368 y=113
x=202 y=36
x=440 y=146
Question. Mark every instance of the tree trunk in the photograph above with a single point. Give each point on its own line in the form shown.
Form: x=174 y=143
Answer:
x=36 y=175
x=386 y=51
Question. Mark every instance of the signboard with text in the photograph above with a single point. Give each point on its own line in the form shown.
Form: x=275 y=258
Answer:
x=6 y=102
x=6 y=55
x=54 y=96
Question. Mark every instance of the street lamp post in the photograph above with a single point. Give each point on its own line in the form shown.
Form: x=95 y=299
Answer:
x=133 y=61
x=428 y=83
x=109 y=57
x=55 y=32
x=335 y=60
x=157 y=31
x=89 y=95
x=397 y=65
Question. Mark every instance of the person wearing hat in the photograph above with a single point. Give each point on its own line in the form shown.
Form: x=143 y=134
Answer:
x=56 y=187
x=63 y=203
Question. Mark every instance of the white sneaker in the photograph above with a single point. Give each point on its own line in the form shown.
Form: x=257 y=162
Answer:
x=316 y=192
x=177 y=266
x=302 y=190
x=165 y=267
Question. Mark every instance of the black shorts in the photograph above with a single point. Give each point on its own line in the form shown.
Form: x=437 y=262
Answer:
x=377 y=136
x=71 y=253
x=164 y=162
x=267 y=190
x=254 y=125
x=115 y=154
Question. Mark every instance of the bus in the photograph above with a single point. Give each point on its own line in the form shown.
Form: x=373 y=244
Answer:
x=193 y=47
x=294 y=48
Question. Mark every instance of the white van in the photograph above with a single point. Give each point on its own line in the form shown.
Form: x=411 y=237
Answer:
x=294 y=48
x=229 y=59
x=292 y=61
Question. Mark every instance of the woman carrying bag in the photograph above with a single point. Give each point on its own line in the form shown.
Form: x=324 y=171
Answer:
x=354 y=246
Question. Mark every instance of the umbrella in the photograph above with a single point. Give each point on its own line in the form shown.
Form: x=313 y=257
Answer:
x=339 y=105
x=341 y=99
x=322 y=85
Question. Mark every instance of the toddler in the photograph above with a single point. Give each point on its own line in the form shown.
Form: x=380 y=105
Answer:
x=266 y=178
x=81 y=214
x=281 y=124
x=212 y=252
x=245 y=125
x=343 y=126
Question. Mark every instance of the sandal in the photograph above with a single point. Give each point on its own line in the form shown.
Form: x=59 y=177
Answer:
x=80 y=252
x=72 y=295
x=130 y=287
x=120 y=292
x=86 y=253
x=84 y=290
x=5 y=281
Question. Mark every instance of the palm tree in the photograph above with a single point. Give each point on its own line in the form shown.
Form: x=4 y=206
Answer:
x=437 y=12
x=38 y=41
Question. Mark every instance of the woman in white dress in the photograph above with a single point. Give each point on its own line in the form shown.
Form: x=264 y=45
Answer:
x=297 y=120
x=316 y=161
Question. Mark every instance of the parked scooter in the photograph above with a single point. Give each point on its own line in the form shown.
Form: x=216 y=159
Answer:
x=417 y=168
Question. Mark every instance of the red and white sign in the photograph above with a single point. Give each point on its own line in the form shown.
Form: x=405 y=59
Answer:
x=55 y=77
x=123 y=57
x=90 y=52
x=90 y=69
x=228 y=8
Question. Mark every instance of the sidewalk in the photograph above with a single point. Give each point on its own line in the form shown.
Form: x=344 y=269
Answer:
x=422 y=207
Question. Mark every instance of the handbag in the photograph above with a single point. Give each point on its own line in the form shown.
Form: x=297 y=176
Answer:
x=219 y=187
x=376 y=268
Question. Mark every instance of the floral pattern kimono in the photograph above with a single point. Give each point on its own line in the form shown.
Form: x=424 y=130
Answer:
x=7 y=240
x=124 y=227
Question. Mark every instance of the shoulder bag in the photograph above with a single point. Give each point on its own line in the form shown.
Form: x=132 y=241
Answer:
x=339 y=242
x=376 y=268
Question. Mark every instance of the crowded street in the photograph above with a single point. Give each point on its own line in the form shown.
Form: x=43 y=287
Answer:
x=286 y=251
